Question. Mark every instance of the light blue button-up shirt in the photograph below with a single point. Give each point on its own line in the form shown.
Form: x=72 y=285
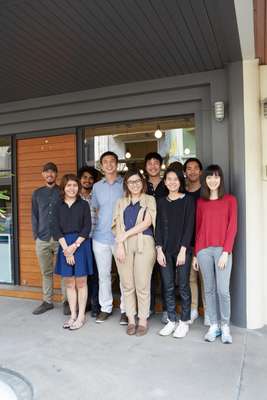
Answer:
x=104 y=198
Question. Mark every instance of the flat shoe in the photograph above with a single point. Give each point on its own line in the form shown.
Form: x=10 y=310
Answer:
x=77 y=325
x=141 y=330
x=131 y=329
x=67 y=324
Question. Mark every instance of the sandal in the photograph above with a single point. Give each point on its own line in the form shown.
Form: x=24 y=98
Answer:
x=77 y=325
x=67 y=324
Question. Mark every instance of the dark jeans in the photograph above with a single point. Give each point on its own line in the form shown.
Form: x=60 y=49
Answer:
x=92 y=282
x=168 y=280
x=153 y=290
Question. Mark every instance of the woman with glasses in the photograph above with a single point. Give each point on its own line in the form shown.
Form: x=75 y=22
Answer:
x=133 y=222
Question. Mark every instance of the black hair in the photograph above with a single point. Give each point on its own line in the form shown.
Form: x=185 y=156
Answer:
x=180 y=176
x=193 y=159
x=154 y=155
x=109 y=153
x=131 y=172
x=209 y=171
x=91 y=170
x=50 y=166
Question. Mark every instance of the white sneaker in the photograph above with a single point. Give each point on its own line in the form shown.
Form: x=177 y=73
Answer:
x=194 y=315
x=164 y=318
x=206 y=320
x=213 y=332
x=168 y=329
x=181 y=330
x=226 y=335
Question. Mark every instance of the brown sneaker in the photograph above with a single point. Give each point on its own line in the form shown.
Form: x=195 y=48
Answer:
x=43 y=308
x=66 y=308
x=131 y=329
x=123 y=319
x=102 y=316
x=141 y=330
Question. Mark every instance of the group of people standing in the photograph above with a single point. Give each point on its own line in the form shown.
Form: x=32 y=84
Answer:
x=181 y=227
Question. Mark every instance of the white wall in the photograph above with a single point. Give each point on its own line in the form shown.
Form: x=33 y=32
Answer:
x=263 y=95
x=254 y=199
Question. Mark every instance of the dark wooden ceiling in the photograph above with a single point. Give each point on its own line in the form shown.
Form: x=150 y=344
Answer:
x=50 y=47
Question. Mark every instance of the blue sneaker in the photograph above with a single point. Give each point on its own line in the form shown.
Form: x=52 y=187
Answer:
x=213 y=332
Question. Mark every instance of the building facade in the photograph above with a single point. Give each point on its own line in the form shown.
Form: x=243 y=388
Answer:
x=75 y=74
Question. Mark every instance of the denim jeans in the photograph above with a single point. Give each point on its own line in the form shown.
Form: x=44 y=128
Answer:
x=168 y=279
x=216 y=283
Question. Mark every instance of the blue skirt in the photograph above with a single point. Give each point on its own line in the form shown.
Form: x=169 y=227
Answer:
x=83 y=259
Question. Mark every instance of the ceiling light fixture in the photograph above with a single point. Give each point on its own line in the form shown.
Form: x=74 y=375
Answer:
x=158 y=133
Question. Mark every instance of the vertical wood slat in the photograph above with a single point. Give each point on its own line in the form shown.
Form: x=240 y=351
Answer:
x=43 y=149
x=260 y=30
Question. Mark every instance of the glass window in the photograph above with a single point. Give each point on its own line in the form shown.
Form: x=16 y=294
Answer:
x=5 y=210
x=175 y=140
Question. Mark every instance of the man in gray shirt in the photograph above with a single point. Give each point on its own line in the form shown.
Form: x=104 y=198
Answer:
x=44 y=201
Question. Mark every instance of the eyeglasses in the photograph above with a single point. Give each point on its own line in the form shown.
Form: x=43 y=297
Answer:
x=132 y=183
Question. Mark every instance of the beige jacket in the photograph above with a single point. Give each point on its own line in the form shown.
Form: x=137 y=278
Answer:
x=147 y=203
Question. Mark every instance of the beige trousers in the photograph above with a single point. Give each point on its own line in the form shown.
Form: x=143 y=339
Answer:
x=135 y=276
x=46 y=252
x=194 y=288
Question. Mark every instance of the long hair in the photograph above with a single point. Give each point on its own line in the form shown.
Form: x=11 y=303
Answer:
x=64 y=180
x=212 y=169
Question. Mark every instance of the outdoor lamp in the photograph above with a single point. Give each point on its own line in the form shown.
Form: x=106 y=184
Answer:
x=219 y=110
x=264 y=102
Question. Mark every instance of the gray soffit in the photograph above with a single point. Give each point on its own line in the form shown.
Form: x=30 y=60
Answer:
x=50 y=47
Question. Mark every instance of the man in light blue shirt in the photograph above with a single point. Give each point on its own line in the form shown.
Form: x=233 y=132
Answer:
x=104 y=197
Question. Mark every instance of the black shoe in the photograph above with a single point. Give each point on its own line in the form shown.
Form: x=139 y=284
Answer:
x=94 y=313
x=66 y=308
x=43 y=308
x=123 y=319
x=88 y=307
x=102 y=316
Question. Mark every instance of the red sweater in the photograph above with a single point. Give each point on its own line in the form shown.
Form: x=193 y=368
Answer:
x=216 y=223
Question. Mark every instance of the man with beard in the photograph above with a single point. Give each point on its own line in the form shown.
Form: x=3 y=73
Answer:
x=44 y=201
x=88 y=176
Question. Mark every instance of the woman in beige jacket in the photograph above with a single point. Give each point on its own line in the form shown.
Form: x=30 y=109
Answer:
x=133 y=226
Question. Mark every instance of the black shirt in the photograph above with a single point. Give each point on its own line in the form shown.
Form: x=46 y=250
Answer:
x=195 y=195
x=73 y=219
x=159 y=192
x=175 y=223
x=44 y=202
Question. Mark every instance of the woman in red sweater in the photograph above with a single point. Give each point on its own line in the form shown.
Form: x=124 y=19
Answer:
x=216 y=227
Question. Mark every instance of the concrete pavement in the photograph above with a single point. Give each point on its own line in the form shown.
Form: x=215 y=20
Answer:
x=101 y=362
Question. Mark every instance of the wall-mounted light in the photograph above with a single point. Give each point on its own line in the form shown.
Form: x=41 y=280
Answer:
x=264 y=104
x=158 y=133
x=219 y=111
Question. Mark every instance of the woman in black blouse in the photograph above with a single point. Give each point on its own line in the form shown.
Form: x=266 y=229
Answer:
x=74 y=259
x=174 y=231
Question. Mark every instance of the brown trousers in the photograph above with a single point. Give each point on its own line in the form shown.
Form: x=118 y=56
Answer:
x=135 y=276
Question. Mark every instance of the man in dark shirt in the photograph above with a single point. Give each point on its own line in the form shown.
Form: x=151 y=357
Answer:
x=156 y=188
x=193 y=170
x=44 y=202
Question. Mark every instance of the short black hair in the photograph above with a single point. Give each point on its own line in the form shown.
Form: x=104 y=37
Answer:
x=91 y=170
x=193 y=159
x=109 y=153
x=50 y=166
x=155 y=155
x=212 y=169
x=180 y=175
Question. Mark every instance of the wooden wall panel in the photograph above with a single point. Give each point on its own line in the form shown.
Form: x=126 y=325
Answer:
x=32 y=154
x=260 y=29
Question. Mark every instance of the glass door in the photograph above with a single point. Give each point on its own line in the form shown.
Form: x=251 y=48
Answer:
x=6 y=231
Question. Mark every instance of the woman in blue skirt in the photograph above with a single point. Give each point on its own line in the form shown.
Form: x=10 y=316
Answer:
x=74 y=259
